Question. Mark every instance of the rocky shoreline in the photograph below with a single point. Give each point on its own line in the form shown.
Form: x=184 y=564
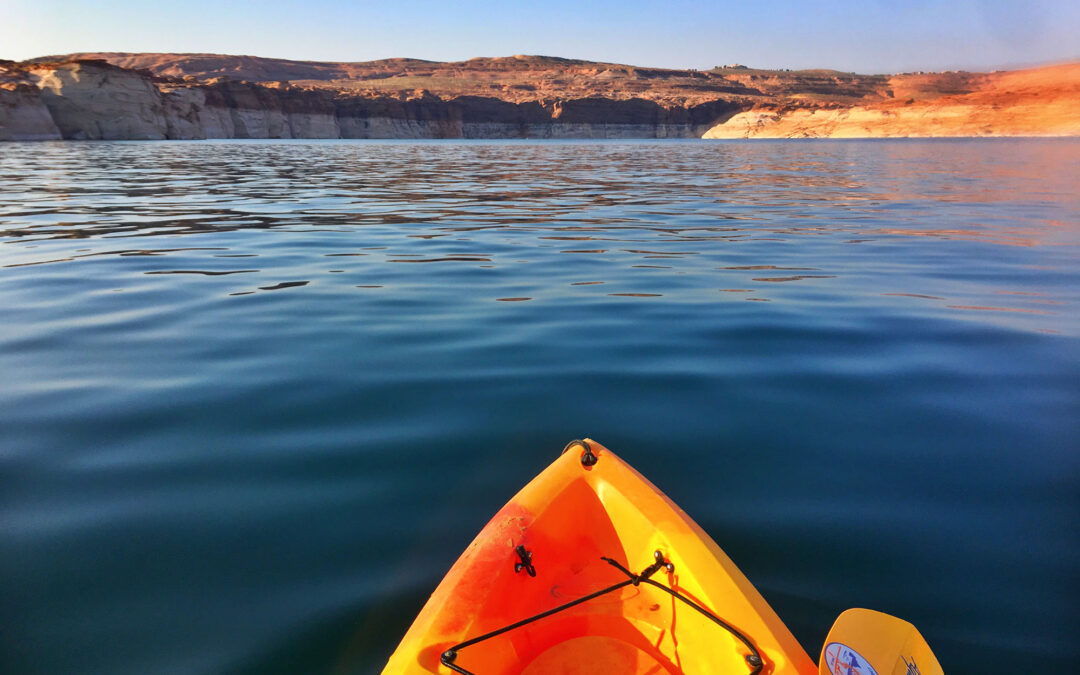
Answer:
x=92 y=99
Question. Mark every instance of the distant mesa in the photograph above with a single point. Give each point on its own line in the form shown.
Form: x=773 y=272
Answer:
x=121 y=95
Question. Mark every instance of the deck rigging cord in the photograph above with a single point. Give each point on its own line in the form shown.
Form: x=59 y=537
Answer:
x=753 y=659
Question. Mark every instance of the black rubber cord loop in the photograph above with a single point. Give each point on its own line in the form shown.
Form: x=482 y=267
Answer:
x=587 y=457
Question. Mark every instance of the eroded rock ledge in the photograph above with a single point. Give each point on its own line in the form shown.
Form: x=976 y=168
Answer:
x=93 y=100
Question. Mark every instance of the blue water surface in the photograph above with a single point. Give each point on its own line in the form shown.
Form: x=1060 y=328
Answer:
x=256 y=397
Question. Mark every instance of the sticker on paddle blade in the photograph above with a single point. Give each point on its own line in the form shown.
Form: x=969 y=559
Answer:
x=843 y=660
x=912 y=669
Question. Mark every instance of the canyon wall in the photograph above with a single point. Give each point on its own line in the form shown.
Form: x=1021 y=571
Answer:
x=176 y=96
x=24 y=117
x=93 y=100
x=1035 y=102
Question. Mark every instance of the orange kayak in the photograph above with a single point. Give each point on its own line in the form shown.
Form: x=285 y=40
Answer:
x=590 y=569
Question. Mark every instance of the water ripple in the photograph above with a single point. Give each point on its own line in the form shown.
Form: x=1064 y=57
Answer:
x=855 y=363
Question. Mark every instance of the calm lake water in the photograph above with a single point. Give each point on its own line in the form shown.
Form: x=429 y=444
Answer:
x=256 y=397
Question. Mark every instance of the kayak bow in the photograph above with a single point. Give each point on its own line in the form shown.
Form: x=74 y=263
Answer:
x=580 y=527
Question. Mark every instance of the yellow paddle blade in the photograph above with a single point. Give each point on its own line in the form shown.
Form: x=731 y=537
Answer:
x=865 y=642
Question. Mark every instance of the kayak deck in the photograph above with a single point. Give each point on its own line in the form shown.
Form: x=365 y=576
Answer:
x=561 y=526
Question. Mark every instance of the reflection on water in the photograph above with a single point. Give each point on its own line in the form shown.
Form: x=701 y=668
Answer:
x=487 y=203
x=203 y=272
x=284 y=284
x=855 y=363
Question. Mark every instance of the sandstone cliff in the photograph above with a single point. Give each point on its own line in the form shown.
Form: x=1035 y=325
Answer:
x=23 y=117
x=1038 y=102
x=100 y=102
x=92 y=99
x=192 y=96
x=515 y=79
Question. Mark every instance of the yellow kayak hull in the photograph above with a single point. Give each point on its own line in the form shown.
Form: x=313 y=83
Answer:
x=560 y=526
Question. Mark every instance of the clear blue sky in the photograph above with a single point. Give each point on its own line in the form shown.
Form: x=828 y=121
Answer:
x=861 y=35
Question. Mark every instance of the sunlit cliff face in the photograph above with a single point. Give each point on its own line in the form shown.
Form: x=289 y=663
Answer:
x=1037 y=102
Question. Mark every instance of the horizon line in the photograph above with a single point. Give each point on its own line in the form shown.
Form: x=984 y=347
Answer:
x=991 y=68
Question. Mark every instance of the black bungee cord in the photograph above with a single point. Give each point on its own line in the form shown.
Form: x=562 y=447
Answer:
x=753 y=659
